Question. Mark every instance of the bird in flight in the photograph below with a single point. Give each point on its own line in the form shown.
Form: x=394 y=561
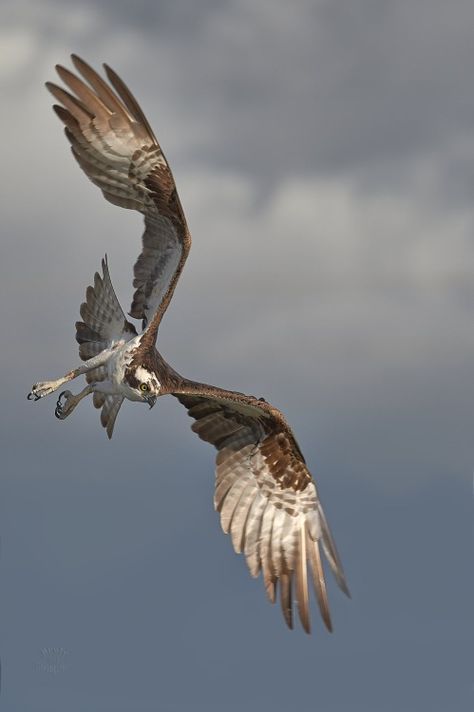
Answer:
x=265 y=494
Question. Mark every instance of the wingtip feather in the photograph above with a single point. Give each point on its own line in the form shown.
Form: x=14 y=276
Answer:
x=331 y=553
x=301 y=575
x=286 y=599
x=319 y=580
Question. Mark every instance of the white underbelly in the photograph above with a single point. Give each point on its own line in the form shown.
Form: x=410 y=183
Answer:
x=116 y=367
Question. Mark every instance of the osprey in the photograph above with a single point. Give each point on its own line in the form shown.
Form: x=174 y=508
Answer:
x=264 y=492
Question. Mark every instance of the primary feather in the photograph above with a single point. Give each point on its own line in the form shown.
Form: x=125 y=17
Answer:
x=116 y=148
x=266 y=496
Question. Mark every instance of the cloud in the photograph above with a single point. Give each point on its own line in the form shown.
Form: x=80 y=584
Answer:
x=337 y=87
x=342 y=268
x=323 y=154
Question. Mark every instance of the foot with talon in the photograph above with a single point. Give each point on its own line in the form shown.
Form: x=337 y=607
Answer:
x=43 y=388
x=63 y=409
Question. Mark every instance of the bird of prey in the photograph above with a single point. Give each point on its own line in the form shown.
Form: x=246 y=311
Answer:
x=264 y=492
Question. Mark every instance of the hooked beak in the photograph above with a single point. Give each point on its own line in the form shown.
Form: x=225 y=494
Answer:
x=151 y=400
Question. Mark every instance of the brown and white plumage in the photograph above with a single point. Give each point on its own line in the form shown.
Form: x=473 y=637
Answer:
x=264 y=492
x=113 y=143
x=266 y=496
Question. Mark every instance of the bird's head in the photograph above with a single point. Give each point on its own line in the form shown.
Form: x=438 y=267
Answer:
x=143 y=385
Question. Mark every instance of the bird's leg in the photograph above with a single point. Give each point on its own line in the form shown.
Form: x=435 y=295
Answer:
x=44 y=388
x=70 y=401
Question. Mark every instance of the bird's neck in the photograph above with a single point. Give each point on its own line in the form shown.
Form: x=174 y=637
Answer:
x=150 y=359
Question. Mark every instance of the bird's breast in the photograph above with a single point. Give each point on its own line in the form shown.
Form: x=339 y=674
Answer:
x=119 y=361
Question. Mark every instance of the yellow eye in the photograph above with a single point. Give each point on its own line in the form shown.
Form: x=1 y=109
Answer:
x=144 y=387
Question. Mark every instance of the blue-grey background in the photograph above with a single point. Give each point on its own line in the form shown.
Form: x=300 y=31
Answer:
x=324 y=153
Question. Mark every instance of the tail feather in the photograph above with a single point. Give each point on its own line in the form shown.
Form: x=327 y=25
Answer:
x=109 y=413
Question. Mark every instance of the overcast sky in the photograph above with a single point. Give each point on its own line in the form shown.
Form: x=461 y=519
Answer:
x=324 y=155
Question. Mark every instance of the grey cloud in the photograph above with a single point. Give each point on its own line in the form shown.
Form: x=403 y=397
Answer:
x=339 y=87
x=323 y=154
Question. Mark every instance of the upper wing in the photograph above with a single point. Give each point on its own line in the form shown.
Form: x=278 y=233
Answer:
x=104 y=324
x=266 y=496
x=115 y=146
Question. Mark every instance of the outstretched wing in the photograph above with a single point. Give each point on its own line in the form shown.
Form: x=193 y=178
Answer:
x=116 y=148
x=104 y=325
x=266 y=497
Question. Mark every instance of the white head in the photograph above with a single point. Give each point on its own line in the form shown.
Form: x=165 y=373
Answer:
x=143 y=384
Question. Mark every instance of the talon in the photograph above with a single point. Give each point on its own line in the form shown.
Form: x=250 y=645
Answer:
x=33 y=395
x=59 y=406
x=42 y=389
x=59 y=410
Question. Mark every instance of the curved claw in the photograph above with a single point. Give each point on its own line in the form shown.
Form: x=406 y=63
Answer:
x=44 y=388
x=59 y=410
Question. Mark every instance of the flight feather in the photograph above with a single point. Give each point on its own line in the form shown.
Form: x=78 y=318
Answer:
x=266 y=496
x=113 y=143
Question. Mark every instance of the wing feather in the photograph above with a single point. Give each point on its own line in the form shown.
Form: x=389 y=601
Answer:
x=266 y=532
x=302 y=596
x=252 y=534
x=318 y=579
x=237 y=528
x=114 y=145
x=276 y=541
x=104 y=322
x=129 y=100
x=104 y=325
x=266 y=496
x=286 y=598
x=101 y=88
x=232 y=499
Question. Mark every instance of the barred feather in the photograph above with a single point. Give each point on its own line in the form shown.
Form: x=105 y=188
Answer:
x=266 y=496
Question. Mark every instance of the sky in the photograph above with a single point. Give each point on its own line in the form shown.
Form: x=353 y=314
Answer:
x=324 y=156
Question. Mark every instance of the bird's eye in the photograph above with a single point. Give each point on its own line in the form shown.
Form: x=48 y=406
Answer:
x=144 y=387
